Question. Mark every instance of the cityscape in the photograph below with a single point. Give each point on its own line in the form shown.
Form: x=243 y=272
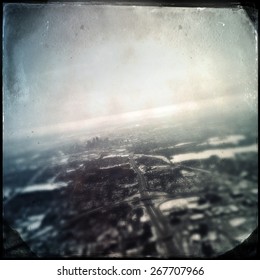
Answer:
x=129 y=131
x=145 y=190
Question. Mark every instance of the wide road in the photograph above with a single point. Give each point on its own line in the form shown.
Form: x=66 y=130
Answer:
x=163 y=230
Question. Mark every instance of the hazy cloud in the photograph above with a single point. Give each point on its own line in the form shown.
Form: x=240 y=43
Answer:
x=68 y=62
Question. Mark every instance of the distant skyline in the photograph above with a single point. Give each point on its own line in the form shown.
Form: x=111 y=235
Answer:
x=63 y=63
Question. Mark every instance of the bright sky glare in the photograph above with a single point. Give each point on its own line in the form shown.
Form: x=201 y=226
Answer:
x=64 y=63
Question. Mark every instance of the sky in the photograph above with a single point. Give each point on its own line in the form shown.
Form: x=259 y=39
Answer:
x=69 y=62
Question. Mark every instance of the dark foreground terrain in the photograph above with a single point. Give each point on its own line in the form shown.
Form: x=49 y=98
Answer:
x=155 y=188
